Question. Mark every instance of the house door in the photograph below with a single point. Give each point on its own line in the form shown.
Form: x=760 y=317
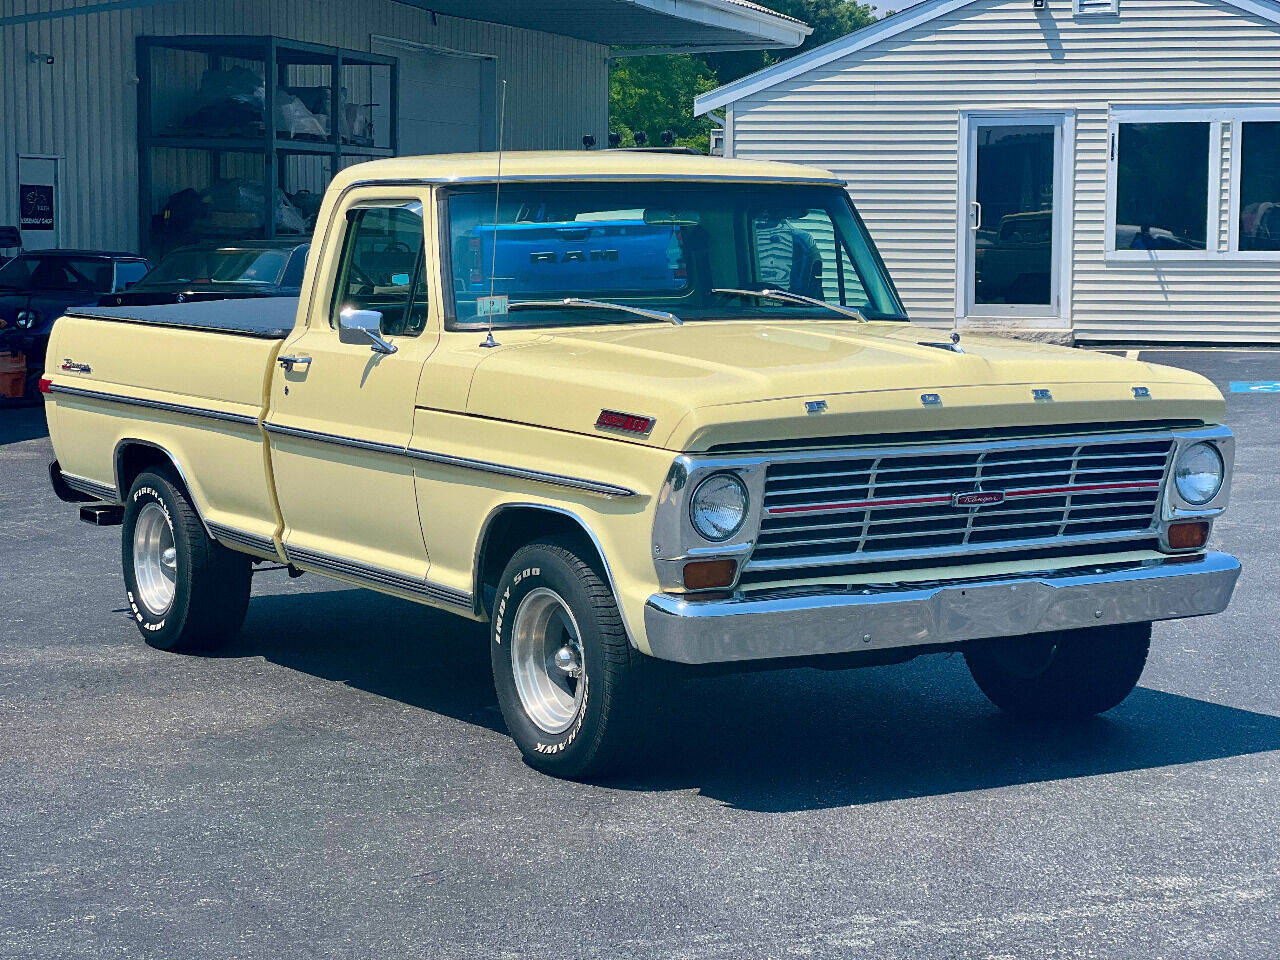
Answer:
x=1013 y=219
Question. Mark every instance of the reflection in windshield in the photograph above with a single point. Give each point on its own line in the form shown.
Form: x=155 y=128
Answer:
x=218 y=266
x=678 y=249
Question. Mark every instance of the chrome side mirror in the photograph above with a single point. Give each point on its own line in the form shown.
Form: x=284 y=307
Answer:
x=364 y=326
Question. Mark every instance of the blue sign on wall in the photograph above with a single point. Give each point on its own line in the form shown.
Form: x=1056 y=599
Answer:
x=1255 y=386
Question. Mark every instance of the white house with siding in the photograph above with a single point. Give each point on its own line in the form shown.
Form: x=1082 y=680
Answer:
x=1103 y=170
x=71 y=89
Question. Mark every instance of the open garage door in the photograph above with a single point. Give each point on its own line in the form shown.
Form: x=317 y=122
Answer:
x=446 y=100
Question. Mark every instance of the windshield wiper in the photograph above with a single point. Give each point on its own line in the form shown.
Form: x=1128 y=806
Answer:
x=597 y=305
x=787 y=297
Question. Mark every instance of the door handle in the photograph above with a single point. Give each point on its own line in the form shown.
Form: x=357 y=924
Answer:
x=288 y=363
x=975 y=208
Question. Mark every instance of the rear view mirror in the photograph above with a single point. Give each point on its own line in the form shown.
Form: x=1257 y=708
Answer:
x=363 y=327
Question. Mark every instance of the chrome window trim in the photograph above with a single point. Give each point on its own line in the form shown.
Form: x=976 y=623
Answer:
x=570 y=180
x=449 y=460
x=168 y=407
x=378 y=577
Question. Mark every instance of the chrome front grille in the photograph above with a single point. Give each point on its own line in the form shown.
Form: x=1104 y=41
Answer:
x=947 y=500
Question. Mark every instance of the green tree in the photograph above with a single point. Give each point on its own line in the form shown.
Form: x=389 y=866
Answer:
x=655 y=94
x=830 y=19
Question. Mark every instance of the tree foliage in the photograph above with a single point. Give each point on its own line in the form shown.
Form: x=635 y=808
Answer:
x=655 y=94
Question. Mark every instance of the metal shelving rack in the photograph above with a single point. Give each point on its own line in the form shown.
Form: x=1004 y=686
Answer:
x=275 y=55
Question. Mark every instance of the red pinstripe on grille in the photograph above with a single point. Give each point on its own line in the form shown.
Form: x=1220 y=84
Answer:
x=946 y=498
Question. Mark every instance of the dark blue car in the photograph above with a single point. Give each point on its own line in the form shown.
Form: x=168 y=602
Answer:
x=38 y=287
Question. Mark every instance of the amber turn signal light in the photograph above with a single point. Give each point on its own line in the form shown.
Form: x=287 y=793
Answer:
x=1188 y=536
x=709 y=574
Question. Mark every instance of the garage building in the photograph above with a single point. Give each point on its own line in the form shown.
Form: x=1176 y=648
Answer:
x=129 y=124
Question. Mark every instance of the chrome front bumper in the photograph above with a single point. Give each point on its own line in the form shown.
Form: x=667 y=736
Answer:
x=810 y=624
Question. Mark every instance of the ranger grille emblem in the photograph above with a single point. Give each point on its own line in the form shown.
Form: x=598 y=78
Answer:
x=978 y=498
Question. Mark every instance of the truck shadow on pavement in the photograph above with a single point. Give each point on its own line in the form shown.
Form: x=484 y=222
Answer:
x=775 y=741
x=21 y=423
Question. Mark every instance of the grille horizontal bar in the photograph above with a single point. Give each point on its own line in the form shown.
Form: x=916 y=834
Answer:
x=850 y=508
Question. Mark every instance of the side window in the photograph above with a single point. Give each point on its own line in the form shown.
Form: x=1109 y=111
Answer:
x=383 y=268
x=297 y=268
x=128 y=272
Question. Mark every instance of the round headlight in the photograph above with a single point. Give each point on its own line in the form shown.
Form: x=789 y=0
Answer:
x=26 y=319
x=718 y=507
x=1198 y=473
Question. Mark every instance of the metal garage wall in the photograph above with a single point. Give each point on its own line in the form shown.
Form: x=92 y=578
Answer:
x=83 y=108
x=886 y=118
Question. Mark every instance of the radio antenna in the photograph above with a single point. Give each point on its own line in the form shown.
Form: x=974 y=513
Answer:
x=497 y=197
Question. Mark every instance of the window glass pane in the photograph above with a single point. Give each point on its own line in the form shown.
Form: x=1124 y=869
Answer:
x=1162 y=186
x=691 y=249
x=382 y=263
x=129 y=272
x=1260 y=186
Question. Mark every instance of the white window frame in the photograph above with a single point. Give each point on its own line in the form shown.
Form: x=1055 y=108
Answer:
x=1220 y=117
x=1112 y=9
x=1213 y=202
x=1233 y=251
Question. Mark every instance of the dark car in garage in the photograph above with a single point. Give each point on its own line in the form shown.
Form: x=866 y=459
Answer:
x=220 y=271
x=36 y=288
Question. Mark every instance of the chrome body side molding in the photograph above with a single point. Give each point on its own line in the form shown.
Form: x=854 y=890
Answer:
x=205 y=412
x=376 y=577
x=242 y=538
x=92 y=488
x=465 y=463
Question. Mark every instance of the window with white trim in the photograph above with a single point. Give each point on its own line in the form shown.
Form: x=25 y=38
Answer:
x=1256 y=204
x=1162 y=186
x=1096 y=8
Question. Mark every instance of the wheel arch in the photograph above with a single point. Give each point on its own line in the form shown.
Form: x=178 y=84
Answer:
x=133 y=456
x=524 y=523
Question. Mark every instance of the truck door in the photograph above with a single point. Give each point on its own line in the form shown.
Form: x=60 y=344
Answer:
x=342 y=403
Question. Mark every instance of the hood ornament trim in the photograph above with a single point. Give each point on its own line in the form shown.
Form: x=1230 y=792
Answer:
x=953 y=346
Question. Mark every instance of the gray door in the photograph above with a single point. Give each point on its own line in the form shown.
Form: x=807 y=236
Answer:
x=446 y=99
x=1015 y=191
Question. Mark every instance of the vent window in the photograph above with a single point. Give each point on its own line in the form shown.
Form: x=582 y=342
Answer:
x=1097 y=8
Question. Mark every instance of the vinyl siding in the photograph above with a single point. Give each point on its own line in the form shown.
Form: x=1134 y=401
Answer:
x=887 y=119
x=84 y=107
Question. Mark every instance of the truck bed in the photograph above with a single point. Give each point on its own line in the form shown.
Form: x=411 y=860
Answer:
x=269 y=318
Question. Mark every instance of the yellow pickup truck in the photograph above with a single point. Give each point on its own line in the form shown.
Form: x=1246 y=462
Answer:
x=634 y=407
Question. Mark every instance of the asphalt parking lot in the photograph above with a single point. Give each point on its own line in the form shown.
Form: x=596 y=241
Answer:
x=338 y=783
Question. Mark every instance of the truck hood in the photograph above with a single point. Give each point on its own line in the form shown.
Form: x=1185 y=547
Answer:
x=747 y=382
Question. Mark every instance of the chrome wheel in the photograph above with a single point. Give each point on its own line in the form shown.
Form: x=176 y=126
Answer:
x=547 y=660
x=155 y=559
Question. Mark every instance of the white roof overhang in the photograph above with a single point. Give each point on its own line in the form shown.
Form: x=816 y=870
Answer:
x=640 y=26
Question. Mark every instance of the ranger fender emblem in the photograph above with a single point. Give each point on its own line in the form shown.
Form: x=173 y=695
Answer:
x=72 y=367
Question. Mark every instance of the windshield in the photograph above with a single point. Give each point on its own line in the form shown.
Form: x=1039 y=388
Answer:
x=251 y=267
x=70 y=274
x=692 y=249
